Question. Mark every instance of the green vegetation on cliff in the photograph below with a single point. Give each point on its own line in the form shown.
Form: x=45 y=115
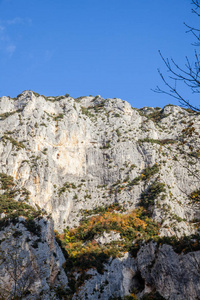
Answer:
x=12 y=209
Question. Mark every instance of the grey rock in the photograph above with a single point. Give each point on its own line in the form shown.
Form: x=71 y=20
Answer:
x=106 y=238
x=174 y=276
x=31 y=261
x=98 y=140
x=79 y=154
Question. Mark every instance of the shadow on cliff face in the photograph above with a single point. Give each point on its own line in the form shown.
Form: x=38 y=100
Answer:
x=138 y=283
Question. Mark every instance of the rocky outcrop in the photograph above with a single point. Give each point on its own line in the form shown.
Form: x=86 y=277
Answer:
x=155 y=271
x=107 y=238
x=30 y=260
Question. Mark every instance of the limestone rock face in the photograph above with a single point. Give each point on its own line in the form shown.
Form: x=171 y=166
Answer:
x=116 y=281
x=174 y=276
x=77 y=154
x=70 y=156
x=155 y=268
x=30 y=260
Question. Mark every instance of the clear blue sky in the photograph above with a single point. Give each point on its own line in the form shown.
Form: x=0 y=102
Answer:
x=91 y=47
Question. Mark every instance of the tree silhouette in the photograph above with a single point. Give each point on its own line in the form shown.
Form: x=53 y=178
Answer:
x=189 y=74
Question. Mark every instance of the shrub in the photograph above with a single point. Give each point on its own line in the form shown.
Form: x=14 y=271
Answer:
x=81 y=246
x=103 y=209
x=86 y=112
x=159 y=142
x=195 y=196
x=146 y=174
x=149 y=172
x=152 y=192
x=15 y=143
x=11 y=208
x=6 y=181
x=58 y=117
x=7 y=114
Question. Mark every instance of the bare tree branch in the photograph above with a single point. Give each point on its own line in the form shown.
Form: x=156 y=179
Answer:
x=197 y=5
x=189 y=74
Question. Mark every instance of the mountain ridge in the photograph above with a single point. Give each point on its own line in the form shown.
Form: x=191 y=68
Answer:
x=112 y=177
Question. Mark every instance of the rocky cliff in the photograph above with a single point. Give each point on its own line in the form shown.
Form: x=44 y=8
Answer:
x=30 y=260
x=156 y=273
x=100 y=161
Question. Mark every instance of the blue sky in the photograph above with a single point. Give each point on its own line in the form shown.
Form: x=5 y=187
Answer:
x=92 y=47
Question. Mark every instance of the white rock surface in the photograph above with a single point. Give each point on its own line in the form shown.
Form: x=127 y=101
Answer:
x=79 y=154
x=107 y=237
x=95 y=143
